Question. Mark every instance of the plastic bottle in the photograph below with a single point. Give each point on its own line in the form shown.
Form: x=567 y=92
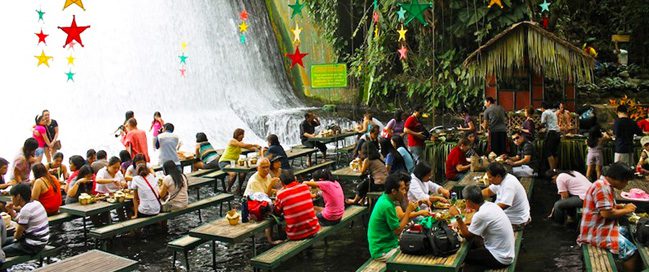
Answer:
x=453 y=198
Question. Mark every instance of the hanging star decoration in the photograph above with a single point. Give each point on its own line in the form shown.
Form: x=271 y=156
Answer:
x=70 y=60
x=402 y=34
x=296 y=57
x=376 y=33
x=71 y=45
x=74 y=32
x=243 y=27
x=41 y=37
x=297 y=8
x=40 y=14
x=375 y=17
x=545 y=6
x=183 y=58
x=183 y=45
x=416 y=11
x=70 y=75
x=296 y=33
x=70 y=2
x=43 y=59
x=401 y=14
x=495 y=2
x=182 y=71
x=403 y=53
x=376 y=4
x=545 y=22
x=243 y=15
x=242 y=38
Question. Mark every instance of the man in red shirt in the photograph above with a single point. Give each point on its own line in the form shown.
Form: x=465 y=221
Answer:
x=294 y=201
x=135 y=140
x=644 y=124
x=414 y=129
x=456 y=163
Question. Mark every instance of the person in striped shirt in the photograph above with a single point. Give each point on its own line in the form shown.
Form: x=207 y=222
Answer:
x=33 y=231
x=294 y=201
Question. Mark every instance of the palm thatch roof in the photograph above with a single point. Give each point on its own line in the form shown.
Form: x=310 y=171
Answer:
x=527 y=46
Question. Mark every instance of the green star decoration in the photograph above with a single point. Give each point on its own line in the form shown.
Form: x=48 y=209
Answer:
x=242 y=38
x=70 y=75
x=402 y=14
x=545 y=6
x=183 y=59
x=416 y=10
x=40 y=14
x=297 y=8
x=376 y=4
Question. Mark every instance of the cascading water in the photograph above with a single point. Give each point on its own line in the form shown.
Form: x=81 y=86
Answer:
x=130 y=62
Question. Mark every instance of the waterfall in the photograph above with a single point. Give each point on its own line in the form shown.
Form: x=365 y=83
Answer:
x=130 y=62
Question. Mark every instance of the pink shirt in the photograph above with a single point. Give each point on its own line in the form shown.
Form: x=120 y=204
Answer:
x=577 y=185
x=39 y=138
x=156 y=128
x=334 y=200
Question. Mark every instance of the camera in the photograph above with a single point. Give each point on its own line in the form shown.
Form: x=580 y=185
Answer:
x=119 y=131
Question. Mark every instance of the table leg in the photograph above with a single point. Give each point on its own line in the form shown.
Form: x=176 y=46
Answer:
x=254 y=247
x=85 y=233
x=213 y=254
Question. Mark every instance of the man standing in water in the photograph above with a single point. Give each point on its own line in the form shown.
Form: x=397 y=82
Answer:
x=135 y=140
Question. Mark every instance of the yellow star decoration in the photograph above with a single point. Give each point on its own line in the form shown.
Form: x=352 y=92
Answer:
x=43 y=59
x=376 y=33
x=402 y=34
x=70 y=2
x=70 y=60
x=497 y=2
x=296 y=33
x=243 y=27
x=183 y=45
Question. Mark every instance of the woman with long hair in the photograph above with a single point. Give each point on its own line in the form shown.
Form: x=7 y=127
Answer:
x=173 y=191
x=232 y=153
x=84 y=182
x=46 y=189
x=408 y=159
x=146 y=202
x=393 y=160
x=40 y=134
x=372 y=167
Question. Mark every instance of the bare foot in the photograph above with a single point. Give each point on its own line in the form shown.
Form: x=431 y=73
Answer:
x=276 y=242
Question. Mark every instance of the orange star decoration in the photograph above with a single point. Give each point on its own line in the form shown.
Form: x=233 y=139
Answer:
x=496 y=2
x=70 y=2
x=296 y=58
x=43 y=59
x=243 y=15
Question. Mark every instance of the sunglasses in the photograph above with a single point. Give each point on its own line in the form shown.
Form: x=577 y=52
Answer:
x=516 y=138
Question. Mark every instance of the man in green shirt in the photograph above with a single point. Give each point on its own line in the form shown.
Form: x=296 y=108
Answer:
x=384 y=227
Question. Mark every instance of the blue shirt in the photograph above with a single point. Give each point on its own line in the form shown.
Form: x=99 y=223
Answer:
x=407 y=159
x=278 y=150
x=395 y=166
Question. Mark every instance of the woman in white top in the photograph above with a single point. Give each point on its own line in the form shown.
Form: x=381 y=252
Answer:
x=421 y=187
x=131 y=170
x=173 y=190
x=146 y=201
x=109 y=179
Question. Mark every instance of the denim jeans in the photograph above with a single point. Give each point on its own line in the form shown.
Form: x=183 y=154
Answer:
x=416 y=152
x=565 y=206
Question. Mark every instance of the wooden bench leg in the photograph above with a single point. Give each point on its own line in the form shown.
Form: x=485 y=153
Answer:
x=213 y=254
x=173 y=263
x=187 y=259
x=85 y=233
x=254 y=246
x=221 y=209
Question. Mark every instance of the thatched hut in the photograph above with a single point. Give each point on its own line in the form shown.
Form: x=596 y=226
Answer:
x=516 y=65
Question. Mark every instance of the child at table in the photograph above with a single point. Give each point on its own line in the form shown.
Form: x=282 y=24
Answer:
x=594 y=159
x=333 y=196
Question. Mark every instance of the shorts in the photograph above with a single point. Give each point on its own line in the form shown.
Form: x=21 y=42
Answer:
x=594 y=158
x=552 y=143
x=627 y=248
x=223 y=164
x=39 y=151
x=325 y=222
x=214 y=164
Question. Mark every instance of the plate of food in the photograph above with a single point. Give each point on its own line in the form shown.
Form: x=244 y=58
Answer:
x=441 y=205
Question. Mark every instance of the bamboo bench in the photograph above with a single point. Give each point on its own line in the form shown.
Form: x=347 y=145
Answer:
x=201 y=172
x=216 y=175
x=184 y=244
x=598 y=259
x=47 y=252
x=60 y=218
x=306 y=171
x=110 y=231
x=273 y=257
x=512 y=267
x=372 y=265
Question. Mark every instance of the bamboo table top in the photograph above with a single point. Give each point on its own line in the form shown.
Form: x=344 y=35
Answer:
x=296 y=153
x=90 y=209
x=470 y=179
x=333 y=138
x=221 y=230
x=405 y=262
x=346 y=173
x=94 y=261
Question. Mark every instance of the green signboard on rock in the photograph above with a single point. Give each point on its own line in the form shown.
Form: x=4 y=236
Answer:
x=332 y=75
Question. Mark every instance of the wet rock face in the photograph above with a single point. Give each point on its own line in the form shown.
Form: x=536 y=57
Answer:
x=605 y=115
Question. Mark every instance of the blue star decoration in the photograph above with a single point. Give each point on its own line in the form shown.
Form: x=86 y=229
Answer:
x=70 y=75
x=402 y=14
x=183 y=59
x=545 y=6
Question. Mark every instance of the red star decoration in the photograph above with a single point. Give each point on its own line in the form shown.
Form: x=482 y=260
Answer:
x=74 y=32
x=41 y=37
x=546 y=22
x=296 y=58
x=243 y=15
x=182 y=72
x=375 y=17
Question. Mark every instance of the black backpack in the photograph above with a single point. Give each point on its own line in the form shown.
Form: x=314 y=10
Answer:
x=414 y=241
x=443 y=241
x=642 y=231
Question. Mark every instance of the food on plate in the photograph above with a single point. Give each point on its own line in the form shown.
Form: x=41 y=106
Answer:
x=441 y=205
